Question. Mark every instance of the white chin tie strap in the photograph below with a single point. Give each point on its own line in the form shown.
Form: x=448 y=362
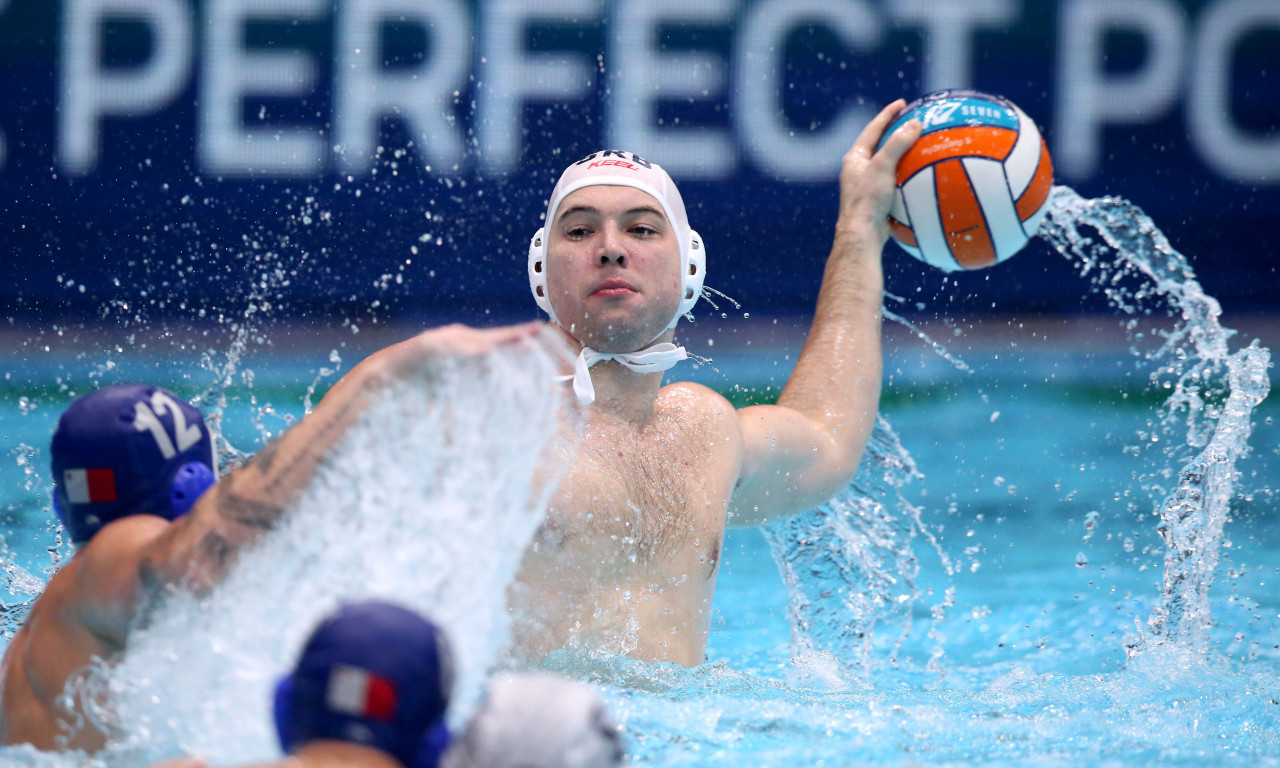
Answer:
x=654 y=359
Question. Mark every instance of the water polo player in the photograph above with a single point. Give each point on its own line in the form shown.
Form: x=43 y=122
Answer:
x=628 y=556
x=128 y=461
x=371 y=687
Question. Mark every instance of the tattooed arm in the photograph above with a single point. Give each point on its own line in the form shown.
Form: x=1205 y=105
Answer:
x=88 y=607
x=252 y=499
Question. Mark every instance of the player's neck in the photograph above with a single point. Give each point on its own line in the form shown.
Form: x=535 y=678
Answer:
x=623 y=392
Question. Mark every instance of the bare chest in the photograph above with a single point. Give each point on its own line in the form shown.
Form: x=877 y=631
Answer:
x=643 y=494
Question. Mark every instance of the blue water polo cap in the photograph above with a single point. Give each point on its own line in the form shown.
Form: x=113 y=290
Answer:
x=373 y=673
x=128 y=449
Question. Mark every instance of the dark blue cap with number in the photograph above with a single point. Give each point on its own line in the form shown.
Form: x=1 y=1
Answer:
x=128 y=449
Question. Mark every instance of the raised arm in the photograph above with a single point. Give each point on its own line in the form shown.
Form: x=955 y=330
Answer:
x=252 y=499
x=802 y=451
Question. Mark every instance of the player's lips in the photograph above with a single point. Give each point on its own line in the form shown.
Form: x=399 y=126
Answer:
x=614 y=286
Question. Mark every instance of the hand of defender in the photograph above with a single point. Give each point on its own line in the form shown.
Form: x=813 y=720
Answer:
x=454 y=340
x=868 y=177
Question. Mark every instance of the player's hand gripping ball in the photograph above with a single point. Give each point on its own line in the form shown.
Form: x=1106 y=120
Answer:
x=975 y=187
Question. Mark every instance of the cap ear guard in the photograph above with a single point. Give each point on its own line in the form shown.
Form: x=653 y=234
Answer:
x=691 y=281
x=280 y=712
x=434 y=745
x=538 y=273
x=189 y=484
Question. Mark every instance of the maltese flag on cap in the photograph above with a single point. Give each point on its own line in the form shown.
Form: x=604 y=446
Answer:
x=90 y=486
x=360 y=693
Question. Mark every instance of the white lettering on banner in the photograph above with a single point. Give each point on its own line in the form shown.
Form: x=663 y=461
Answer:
x=1227 y=149
x=231 y=73
x=1089 y=97
x=487 y=56
x=642 y=74
x=422 y=95
x=90 y=92
x=948 y=34
x=768 y=138
x=508 y=76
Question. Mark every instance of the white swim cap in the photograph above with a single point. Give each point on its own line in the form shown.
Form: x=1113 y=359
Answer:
x=625 y=169
x=538 y=721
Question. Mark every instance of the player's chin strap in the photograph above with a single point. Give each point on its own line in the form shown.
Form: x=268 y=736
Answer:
x=652 y=359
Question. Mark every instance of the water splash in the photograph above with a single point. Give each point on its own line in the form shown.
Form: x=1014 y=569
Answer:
x=708 y=292
x=408 y=509
x=851 y=565
x=937 y=348
x=336 y=360
x=223 y=366
x=1212 y=393
x=1162 y=708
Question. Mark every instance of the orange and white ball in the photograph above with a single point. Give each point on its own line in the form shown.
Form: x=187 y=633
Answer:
x=975 y=187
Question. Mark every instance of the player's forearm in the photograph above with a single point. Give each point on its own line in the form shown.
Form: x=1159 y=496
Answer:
x=253 y=499
x=836 y=381
x=257 y=494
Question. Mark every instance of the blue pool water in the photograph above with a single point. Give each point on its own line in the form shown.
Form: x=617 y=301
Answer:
x=1032 y=612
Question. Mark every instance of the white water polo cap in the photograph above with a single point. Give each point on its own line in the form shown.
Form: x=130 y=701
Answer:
x=611 y=167
x=539 y=721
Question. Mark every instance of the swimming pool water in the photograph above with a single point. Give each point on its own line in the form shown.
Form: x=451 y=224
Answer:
x=1024 y=637
x=1055 y=555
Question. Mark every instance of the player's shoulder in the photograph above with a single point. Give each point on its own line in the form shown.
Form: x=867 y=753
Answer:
x=119 y=545
x=104 y=598
x=686 y=395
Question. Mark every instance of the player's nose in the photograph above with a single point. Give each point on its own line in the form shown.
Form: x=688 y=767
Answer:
x=611 y=247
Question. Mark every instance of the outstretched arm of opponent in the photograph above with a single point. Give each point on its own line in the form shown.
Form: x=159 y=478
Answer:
x=131 y=557
x=252 y=499
x=801 y=452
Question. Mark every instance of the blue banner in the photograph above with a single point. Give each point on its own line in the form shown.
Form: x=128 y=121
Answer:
x=319 y=156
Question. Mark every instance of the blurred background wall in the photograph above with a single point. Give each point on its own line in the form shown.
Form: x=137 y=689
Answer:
x=333 y=160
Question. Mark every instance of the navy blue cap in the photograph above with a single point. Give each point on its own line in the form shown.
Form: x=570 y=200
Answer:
x=373 y=673
x=128 y=449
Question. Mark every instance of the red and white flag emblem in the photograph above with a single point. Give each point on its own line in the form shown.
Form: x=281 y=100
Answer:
x=90 y=486
x=360 y=693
